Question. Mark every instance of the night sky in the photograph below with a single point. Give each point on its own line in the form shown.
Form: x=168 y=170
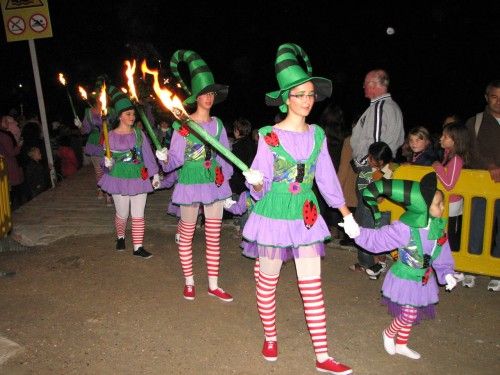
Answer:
x=440 y=58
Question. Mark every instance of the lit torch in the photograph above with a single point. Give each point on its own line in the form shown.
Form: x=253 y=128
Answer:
x=83 y=94
x=63 y=82
x=104 y=113
x=174 y=105
x=133 y=97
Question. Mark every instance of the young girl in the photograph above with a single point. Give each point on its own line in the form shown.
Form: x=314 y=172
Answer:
x=410 y=290
x=285 y=222
x=127 y=173
x=421 y=148
x=203 y=175
x=455 y=142
x=380 y=161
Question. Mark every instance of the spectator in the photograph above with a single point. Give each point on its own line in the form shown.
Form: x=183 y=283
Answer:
x=484 y=130
x=35 y=173
x=245 y=149
x=68 y=162
x=421 y=149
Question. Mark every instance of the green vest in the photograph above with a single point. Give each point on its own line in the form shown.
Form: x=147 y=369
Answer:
x=291 y=200
x=129 y=164
x=200 y=164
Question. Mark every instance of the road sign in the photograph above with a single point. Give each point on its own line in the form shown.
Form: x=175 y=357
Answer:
x=25 y=20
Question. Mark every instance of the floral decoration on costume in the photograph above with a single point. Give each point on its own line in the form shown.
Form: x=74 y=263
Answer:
x=184 y=130
x=272 y=139
x=294 y=188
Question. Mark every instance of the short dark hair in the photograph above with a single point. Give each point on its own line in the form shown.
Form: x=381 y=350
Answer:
x=493 y=84
x=380 y=151
x=243 y=126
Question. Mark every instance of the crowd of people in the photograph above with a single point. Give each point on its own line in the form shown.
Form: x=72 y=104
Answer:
x=306 y=184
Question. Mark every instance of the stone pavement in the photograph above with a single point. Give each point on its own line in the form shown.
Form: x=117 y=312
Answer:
x=52 y=215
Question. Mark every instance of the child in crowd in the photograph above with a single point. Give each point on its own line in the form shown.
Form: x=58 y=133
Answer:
x=35 y=173
x=455 y=143
x=410 y=290
x=421 y=147
x=382 y=167
x=67 y=158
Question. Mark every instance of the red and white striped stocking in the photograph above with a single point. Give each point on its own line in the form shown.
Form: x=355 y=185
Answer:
x=186 y=232
x=401 y=325
x=212 y=238
x=266 y=304
x=314 y=310
x=120 y=226
x=137 y=232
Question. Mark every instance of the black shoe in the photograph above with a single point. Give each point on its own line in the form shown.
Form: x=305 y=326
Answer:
x=375 y=270
x=140 y=252
x=120 y=244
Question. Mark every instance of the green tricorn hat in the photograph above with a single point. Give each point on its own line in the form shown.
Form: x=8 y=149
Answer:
x=119 y=101
x=416 y=197
x=202 y=79
x=290 y=73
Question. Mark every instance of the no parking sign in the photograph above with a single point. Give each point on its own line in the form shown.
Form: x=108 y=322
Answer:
x=27 y=19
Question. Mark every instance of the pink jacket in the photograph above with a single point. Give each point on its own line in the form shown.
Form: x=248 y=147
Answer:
x=448 y=174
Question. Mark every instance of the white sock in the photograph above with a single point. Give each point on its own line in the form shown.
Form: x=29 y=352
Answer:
x=212 y=282
x=403 y=349
x=190 y=280
x=136 y=247
x=322 y=357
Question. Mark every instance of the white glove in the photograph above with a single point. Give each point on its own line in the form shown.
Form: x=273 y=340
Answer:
x=451 y=282
x=254 y=177
x=156 y=181
x=162 y=154
x=108 y=162
x=351 y=228
x=77 y=122
x=228 y=203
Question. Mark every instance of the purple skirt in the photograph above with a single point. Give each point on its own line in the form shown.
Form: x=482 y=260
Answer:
x=200 y=193
x=124 y=186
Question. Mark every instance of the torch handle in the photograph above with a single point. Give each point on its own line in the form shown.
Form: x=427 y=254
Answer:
x=149 y=128
x=217 y=145
x=106 y=136
x=71 y=103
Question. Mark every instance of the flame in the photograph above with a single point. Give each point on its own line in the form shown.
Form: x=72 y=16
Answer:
x=167 y=97
x=102 y=99
x=83 y=93
x=62 y=79
x=130 y=79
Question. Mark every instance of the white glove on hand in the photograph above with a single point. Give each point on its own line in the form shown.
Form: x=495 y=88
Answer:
x=351 y=228
x=77 y=122
x=228 y=203
x=156 y=181
x=254 y=177
x=108 y=162
x=451 y=282
x=162 y=154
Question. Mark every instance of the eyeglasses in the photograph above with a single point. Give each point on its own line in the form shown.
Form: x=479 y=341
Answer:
x=211 y=93
x=303 y=96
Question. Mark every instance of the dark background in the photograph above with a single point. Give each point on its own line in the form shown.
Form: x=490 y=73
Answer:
x=440 y=58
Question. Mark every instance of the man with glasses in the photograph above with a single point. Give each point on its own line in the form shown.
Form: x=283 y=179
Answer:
x=381 y=122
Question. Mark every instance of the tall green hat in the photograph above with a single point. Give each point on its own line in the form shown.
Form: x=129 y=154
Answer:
x=290 y=73
x=119 y=101
x=416 y=197
x=202 y=79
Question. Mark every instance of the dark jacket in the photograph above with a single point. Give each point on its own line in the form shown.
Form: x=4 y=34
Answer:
x=245 y=149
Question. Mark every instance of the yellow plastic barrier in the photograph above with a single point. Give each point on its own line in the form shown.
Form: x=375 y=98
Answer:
x=5 y=212
x=472 y=183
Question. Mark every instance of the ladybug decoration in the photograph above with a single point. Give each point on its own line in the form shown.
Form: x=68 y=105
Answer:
x=219 y=176
x=309 y=213
x=442 y=240
x=184 y=130
x=272 y=139
x=144 y=173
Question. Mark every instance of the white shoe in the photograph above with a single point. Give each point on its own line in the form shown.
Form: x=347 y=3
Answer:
x=494 y=286
x=406 y=351
x=459 y=276
x=469 y=281
x=389 y=345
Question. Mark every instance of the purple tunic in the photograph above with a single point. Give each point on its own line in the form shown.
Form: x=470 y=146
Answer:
x=284 y=237
x=129 y=186
x=397 y=291
x=186 y=194
x=88 y=126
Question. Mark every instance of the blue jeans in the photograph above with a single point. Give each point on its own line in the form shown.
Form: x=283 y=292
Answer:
x=476 y=233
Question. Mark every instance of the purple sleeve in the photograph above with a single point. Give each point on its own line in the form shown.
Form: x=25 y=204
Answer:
x=86 y=125
x=327 y=180
x=149 y=157
x=264 y=162
x=385 y=238
x=444 y=263
x=227 y=169
x=175 y=153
